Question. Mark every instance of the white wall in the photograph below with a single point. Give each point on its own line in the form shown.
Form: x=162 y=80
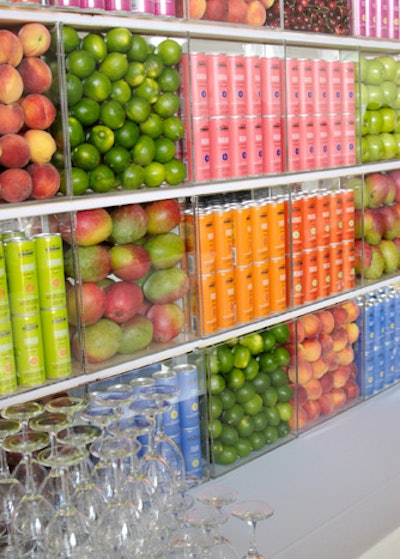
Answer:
x=335 y=489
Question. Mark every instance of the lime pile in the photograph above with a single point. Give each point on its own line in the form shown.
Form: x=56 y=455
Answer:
x=122 y=95
x=250 y=395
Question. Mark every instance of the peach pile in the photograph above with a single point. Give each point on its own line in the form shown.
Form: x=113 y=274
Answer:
x=26 y=114
x=249 y=12
x=322 y=361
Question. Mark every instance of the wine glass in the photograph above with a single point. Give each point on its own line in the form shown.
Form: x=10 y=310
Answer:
x=252 y=512
x=51 y=423
x=7 y=427
x=70 y=405
x=80 y=435
x=118 y=398
x=218 y=496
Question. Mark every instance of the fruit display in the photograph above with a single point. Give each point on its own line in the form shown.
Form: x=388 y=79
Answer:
x=250 y=397
x=27 y=111
x=126 y=282
x=122 y=95
x=318 y=16
x=322 y=369
x=377 y=223
x=379 y=79
x=253 y=12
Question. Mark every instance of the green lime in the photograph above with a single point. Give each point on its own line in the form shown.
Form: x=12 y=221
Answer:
x=241 y=356
x=139 y=49
x=216 y=384
x=138 y=109
x=260 y=421
x=261 y=382
x=269 y=340
x=270 y=396
x=214 y=428
x=85 y=156
x=234 y=415
x=153 y=126
x=229 y=435
x=118 y=158
x=271 y=434
x=285 y=393
x=154 y=174
x=153 y=65
x=114 y=65
x=173 y=128
x=97 y=86
x=112 y=114
x=135 y=74
x=102 y=137
x=285 y=410
x=267 y=362
x=132 y=177
x=225 y=359
x=278 y=377
x=74 y=88
x=251 y=369
x=169 y=80
x=58 y=159
x=170 y=52
x=118 y=39
x=258 y=440
x=175 y=172
x=245 y=393
x=165 y=150
x=283 y=429
x=281 y=332
x=75 y=131
x=167 y=104
x=245 y=426
x=148 y=89
x=235 y=378
x=228 y=398
x=282 y=356
x=95 y=44
x=57 y=131
x=254 y=405
x=127 y=135
x=70 y=38
x=215 y=407
x=143 y=151
x=81 y=63
x=225 y=456
x=86 y=110
x=254 y=342
x=272 y=415
x=102 y=179
x=121 y=91
x=243 y=447
x=79 y=181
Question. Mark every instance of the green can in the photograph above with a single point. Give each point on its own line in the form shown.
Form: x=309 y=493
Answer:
x=50 y=270
x=56 y=343
x=8 y=374
x=4 y=301
x=21 y=276
x=28 y=349
x=12 y=234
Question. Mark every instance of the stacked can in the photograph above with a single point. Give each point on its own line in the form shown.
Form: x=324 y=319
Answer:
x=378 y=18
x=171 y=417
x=137 y=384
x=8 y=374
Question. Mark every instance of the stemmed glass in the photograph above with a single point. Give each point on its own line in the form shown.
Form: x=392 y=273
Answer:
x=70 y=405
x=218 y=496
x=252 y=512
x=117 y=397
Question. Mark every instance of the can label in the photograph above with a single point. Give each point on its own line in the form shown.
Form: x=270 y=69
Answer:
x=255 y=148
x=324 y=271
x=306 y=97
x=239 y=146
x=322 y=211
x=276 y=228
x=93 y=4
x=349 y=140
x=217 y=72
x=165 y=8
x=335 y=140
x=348 y=214
x=293 y=86
x=200 y=245
x=261 y=296
x=237 y=86
x=225 y=288
x=335 y=86
x=4 y=302
x=21 y=276
x=308 y=151
x=349 y=258
x=336 y=257
x=223 y=237
x=50 y=270
x=322 y=142
x=259 y=231
x=271 y=86
x=243 y=277
x=336 y=217
x=310 y=271
x=171 y=417
x=118 y=5
x=201 y=156
x=220 y=148
x=272 y=131
x=8 y=375
x=28 y=347
x=348 y=86
x=56 y=343
x=204 y=306
x=253 y=82
x=277 y=283
x=321 y=86
x=242 y=238
x=294 y=143
x=191 y=450
x=390 y=363
x=193 y=69
x=309 y=221
x=296 y=296
x=294 y=230
x=187 y=380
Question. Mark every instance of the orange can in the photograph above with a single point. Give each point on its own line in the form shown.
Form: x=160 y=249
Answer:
x=260 y=289
x=276 y=227
x=349 y=272
x=336 y=257
x=324 y=271
x=243 y=276
x=206 y=309
x=309 y=221
x=241 y=228
x=310 y=277
x=294 y=222
x=259 y=231
x=225 y=289
x=200 y=244
x=322 y=212
x=336 y=216
x=223 y=234
x=277 y=284
x=348 y=214
x=295 y=291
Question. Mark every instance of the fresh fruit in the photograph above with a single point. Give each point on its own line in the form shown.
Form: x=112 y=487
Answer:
x=102 y=341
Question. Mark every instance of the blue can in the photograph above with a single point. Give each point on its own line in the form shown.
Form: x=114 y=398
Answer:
x=390 y=363
x=379 y=364
x=380 y=322
x=172 y=415
x=397 y=358
x=187 y=378
x=390 y=317
x=191 y=450
x=369 y=373
x=371 y=327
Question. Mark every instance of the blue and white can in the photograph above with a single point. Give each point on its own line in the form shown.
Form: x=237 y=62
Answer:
x=189 y=409
x=191 y=450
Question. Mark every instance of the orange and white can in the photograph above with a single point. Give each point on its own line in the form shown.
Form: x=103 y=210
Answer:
x=243 y=293
x=277 y=284
x=276 y=227
x=259 y=230
x=310 y=277
x=261 y=295
x=349 y=271
x=225 y=289
x=309 y=221
x=294 y=229
x=295 y=288
x=324 y=271
x=336 y=257
x=204 y=304
x=200 y=245
x=336 y=216
x=348 y=214
x=223 y=236
x=322 y=211
x=242 y=237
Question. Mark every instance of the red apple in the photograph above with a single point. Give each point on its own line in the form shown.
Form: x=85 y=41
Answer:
x=391 y=221
x=86 y=303
x=129 y=224
x=129 y=262
x=14 y=151
x=368 y=260
x=123 y=301
x=168 y=321
x=35 y=39
x=15 y=185
x=92 y=227
x=11 y=118
x=45 y=180
x=163 y=216
x=395 y=174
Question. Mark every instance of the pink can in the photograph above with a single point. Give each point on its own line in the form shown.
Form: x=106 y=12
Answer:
x=382 y=18
x=142 y=6
x=334 y=86
x=118 y=5
x=272 y=87
x=349 y=139
x=237 y=86
x=348 y=86
x=359 y=16
x=255 y=159
x=220 y=148
x=217 y=72
x=322 y=141
x=253 y=81
x=393 y=20
x=294 y=143
x=199 y=152
x=306 y=90
x=370 y=18
x=292 y=86
x=272 y=130
x=308 y=140
x=193 y=68
x=321 y=85
x=66 y=3
x=335 y=140
x=165 y=8
x=239 y=146
x=93 y=4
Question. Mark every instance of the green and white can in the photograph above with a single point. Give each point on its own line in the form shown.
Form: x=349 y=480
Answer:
x=4 y=301
x=56 y=343
x=50 y=270
x=28 y=348
x=21 y=276
x=8 y=373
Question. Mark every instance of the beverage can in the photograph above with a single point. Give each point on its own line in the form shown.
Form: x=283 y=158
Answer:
x=335 y=93
x=296 y=286
x=348 y=214
x=237 y=85
x=335 y=140
x=259 y=230
x=50 y=270
x=348 y=86
x=292 y=87
x=310 y=275
x=241 y=234
x=261 y=289
x=255 y=157
x=138 y=383
x=21 y=276
x=322 y=142
x=277 y=284
x=253 y=85
x=225 y=289
x=369 y=373
x=306 y=89
x=28 y=348
x=336 y=217
x=189 y=404
x=308 y=140
x=56 y=342
x=223 y=236
x=204 y=304
x=171 y=417
x=199 y=151
x=217 y=72
x=4 y=301
x=142 y=6
x=193 y=69
x=243 y=278
x=322 y=211
x=200 y=241
x=239 y=146
x=93 y=4
x=220 y=148
x=389 y=351
x=165 y=8
x=349 y=271
x=393 y=20
x=349 y=139
x=273 y=149
x=324 y=271
x=8 y=374
x=321 y=85
x=294 y=143
x=382 y=18
x=118 y=5
x=272 y=87
x=336 y=259
x=309 y=221
x=191 y=450
x=294 y=229
x=276 y=227
x=379 y=366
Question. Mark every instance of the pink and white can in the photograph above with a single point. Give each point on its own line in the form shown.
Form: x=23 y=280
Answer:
x=217 y=72
x=335 y=140
x=118 y=5
x=193 y=69
x=348 y=86
x=255 y=145
x=165 y=8
x=272 y=87
x=321 y=86
x=272 y=129
x=294 y=143
x=382 y=18
x=349 y=139
x=237 y=86
x=220 y=148
x=306 y=91
x=93 y=4
x=393 y=20
x=322 y=141
x=239 y=146
x=308 y=140
x=199 y=150
x=334 y=86
x=292 y=86
x=253 y=81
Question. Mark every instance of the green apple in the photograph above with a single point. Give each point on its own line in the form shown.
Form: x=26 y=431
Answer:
x=362 y=69
x=389 y=145
x=388 y=118
x=396 y=102
x=376 y=149
x=389 y=91
x=396 y=128
x=372 y=122
x=375 y=72
x=375 y=97
x=396 y=78
x=389 y=64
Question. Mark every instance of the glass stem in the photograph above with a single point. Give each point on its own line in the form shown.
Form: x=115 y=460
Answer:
x=4 y=469
x=252 y=551
x=30 y=487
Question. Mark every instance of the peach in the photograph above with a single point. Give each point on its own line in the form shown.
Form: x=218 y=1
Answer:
x=352 y=389
x=326 y=404
x=353 y=331
x=340 y=376
x=36 y=75
x=320 y=367
x=15 y=185
x=237 y=11
x=327 y=320
x=296 y=331
x=332 y=360
x=298 y=421
x=340 y=315
x=303 y=373
x=346 y=355
x=312 y=325
x=353 y=369
x=326 y=381
x=310 y=349
x=256 y=13
x=11 y=118
x=11 y=51
x=39 y=111
x=312 y=409
x=42 y=145
x=35 y=39
x=11 y=84
x=300 y=395
x=267 y=3
x=14 y=151
x=45 y=180
x=353 y=310
x=339 y=338
x=326 y=342
x=197 y=9
x=216 y=10
x=339 y=397
x=313 y=388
